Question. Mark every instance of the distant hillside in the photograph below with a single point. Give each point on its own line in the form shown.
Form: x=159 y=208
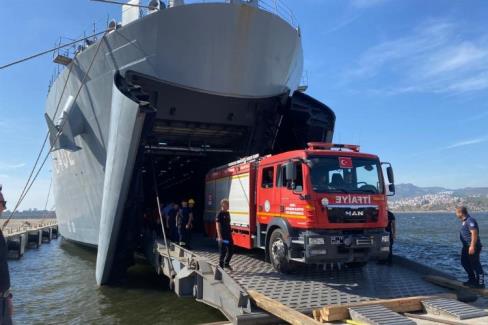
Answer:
x=30 y=214
x=409 y=197
x=410 y=190
x=472 y=191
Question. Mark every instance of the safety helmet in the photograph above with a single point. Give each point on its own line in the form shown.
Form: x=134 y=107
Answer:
x=191 y=201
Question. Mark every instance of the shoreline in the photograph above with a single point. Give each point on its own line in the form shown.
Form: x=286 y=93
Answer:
x=434 y=211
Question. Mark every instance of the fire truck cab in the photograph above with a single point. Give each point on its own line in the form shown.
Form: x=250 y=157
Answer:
x=320 y=205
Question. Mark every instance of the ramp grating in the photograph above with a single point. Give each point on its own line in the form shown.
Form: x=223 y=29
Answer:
x=452 y=308
x=378 y=315
x=311 y=287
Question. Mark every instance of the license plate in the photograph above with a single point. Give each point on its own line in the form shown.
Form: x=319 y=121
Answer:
x=364 y=242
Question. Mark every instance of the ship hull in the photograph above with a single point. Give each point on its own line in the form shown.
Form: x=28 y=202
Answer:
x=222 y=51
x=198 y=85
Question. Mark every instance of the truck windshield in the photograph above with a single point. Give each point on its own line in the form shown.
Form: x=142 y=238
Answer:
x=345 y=175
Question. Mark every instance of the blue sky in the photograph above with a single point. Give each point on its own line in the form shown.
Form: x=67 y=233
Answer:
x=408 y=80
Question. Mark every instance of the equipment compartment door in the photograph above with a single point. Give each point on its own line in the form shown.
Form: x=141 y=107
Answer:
x=239 y=200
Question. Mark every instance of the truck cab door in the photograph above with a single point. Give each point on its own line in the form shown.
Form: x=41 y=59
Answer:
x=267 y=203
x=291 y=206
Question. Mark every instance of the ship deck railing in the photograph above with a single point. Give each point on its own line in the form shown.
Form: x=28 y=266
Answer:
x=276 y=7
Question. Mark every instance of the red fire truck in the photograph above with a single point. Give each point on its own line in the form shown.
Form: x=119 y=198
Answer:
x=320 y=205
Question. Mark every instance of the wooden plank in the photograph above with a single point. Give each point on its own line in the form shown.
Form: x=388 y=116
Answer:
x=400 y=305
x=453 y=284
x=278 y=309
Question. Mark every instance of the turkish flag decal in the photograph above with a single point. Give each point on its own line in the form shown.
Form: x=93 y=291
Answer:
x=345 y=162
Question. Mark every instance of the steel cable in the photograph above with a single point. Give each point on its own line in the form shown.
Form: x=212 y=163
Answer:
x=57 y=135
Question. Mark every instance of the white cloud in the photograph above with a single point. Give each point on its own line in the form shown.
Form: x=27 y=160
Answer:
x=434 y=58
x=361 y=4
x=10 y=166
x=467 y=142
x=478 y=82
x=353 y=11
x=458 y=57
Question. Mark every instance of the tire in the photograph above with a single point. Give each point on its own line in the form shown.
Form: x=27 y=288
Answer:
x=278 y=252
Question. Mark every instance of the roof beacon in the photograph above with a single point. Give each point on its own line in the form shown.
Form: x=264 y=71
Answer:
x=330 y=146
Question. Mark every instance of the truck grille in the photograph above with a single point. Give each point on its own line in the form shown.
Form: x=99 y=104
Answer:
x=351 y=215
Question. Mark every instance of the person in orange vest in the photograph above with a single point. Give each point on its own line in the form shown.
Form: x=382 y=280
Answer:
x=6 y=307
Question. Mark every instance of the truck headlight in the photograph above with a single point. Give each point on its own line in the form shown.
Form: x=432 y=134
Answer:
x=385 y=239
x=385 y=249
x=316 y=241
x=318 y=252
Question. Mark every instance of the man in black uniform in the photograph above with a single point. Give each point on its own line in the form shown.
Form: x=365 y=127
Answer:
x=6 y=309
x=470 y=253
x=224 y=235
x=391 y=229
x=184 y=220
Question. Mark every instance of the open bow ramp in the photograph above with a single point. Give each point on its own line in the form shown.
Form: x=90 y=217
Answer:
x=309 y=288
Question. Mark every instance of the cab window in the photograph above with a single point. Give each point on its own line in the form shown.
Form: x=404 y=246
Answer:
x=267 y=177
x=281 y=179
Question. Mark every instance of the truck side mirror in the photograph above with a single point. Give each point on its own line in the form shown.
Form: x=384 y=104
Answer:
x=391 y=189
x=391 y=178
x=291 y=171
x=389 y=172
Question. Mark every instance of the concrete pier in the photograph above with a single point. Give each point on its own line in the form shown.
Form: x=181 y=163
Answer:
x=23 y=234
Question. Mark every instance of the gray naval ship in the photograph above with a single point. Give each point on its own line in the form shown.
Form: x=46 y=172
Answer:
x=172 y=90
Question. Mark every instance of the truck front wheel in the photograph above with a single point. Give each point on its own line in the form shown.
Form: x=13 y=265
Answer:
x=278 y=252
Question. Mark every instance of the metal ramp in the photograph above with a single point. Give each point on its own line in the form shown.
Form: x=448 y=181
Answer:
x=452 y=308
x=378 y=315
x=310 y=287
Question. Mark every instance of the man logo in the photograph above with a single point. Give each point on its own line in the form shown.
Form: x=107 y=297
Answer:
x=354 y=213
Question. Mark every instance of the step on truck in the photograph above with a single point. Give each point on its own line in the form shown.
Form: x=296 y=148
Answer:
x=324 y=204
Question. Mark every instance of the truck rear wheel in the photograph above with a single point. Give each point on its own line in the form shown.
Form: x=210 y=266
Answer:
x=278 y=252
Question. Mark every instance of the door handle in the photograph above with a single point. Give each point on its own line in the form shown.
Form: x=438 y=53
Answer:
x=282 y=208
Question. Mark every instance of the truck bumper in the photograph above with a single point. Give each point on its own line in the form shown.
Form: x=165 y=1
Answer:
x=318 y=247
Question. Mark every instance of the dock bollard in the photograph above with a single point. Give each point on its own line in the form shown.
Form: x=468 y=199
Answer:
x=47 y=235
x=34 y=238
x=14 y=246
x=54 y=232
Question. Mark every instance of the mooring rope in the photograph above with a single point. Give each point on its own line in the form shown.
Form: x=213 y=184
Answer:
x=48 y=51
x=28 y=186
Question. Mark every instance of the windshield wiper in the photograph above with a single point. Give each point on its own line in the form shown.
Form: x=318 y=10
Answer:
x=365 y=191
x=339 y=189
